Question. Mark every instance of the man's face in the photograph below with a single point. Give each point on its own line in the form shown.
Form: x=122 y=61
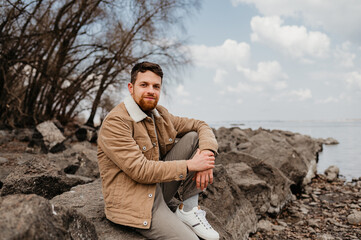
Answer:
x=146 y=90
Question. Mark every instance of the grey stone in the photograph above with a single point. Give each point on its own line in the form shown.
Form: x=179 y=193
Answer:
x=33 y=217
x=277 y=182
x=52 y=136
x=40 y=177
x=264 y=225
x=3 y=160
x=325 y=237
x=88 y=200
x=332 y=173
x=328 y=141
x=354 y=218
x=233 y=215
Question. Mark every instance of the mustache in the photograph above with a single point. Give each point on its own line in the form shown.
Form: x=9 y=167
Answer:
x=149 y=95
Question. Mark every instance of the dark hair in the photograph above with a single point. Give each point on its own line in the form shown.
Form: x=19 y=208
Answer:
x=143 y=67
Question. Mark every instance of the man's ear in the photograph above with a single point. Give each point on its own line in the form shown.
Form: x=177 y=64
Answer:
x=130 y=88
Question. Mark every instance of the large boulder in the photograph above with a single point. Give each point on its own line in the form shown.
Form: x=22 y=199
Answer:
x=88 y=200
x=294 y=154
x=79 y=159
x=40 y=177
x=266 y=187
x=33 y=217
x=228 y=210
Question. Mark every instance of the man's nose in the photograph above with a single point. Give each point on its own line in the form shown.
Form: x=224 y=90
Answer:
x=151 y=90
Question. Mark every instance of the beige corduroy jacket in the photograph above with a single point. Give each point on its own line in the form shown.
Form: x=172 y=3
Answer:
x=128 y=157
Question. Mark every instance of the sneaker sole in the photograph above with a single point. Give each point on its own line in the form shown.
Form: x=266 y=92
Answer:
x=199 y=235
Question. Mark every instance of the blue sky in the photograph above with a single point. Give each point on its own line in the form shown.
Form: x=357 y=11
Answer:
x=271 y=60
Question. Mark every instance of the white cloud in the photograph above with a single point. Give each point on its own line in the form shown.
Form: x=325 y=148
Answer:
x=343 y=55
x=301 y=94
x=354 y=79
x=295 y=41
x=328 y=100
x=181 y=92
x=229 y=54
x=266 y=72
x=334 y=16
x=220 y=76
x=239 y=101
x=244 y=87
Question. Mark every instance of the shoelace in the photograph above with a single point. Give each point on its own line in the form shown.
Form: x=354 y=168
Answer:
x=202 y=217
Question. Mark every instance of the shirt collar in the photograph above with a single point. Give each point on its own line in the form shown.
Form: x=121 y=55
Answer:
x=135 y=112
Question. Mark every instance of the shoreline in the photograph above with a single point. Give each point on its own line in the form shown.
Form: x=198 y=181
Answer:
x=262 y=178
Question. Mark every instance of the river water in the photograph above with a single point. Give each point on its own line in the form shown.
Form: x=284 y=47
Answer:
x=346 y=155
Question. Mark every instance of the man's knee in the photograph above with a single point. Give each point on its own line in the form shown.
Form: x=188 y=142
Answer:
x=191 y=137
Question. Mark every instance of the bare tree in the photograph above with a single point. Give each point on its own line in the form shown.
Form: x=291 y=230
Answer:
x=56 y=54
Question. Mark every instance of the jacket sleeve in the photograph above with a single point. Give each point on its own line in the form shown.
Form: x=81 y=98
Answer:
x=207 y=140
x=115 y=139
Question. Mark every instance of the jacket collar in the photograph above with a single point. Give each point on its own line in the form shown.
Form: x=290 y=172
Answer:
x=135 y=112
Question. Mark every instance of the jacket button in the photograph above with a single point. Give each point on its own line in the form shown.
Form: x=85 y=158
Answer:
x=181 y=176
x=145 y=223
x=150 y=195
x=170 y=139
x=144 y=148
x=154 y=144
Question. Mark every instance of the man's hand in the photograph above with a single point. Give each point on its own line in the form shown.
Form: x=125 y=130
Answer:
x=201 y=161
x=203 y=178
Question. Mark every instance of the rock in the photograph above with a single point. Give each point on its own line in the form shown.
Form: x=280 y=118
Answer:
x=332 y=173
x=264 y=225
x=86 y=133
x=354 y=218
x=40 y=177
x=24 y=134
x=51 y=136
x=6 y=136
x=327 y=141
x=294 y=154
x=80 y=159
x=88 y=200
x=313 y=223
x=325 y=237
x=277 y=182
x=257 y=191
x=33 y=217
x=3 y=160
x=228 y=210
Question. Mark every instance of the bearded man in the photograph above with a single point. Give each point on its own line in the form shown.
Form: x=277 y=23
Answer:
x=142 y=167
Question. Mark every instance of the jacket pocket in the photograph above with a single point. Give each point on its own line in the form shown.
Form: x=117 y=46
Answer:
x=147 y=147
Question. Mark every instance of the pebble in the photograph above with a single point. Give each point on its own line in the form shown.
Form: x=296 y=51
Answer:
x=354 y=218
x=313 y=222
x=325 y=237
x=354 y=206
x=282 y=223
x=3 y=160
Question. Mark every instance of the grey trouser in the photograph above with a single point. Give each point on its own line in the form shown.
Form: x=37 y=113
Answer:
x=165 y=224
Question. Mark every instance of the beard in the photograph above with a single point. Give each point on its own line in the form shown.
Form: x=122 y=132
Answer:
x=148 y=105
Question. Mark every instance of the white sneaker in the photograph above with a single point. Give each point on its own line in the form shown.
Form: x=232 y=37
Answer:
x=196 y=220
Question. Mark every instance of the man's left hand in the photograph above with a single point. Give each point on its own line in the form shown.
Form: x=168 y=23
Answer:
x=203 y=178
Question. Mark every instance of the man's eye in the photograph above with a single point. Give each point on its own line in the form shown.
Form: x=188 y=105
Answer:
x=157 y=87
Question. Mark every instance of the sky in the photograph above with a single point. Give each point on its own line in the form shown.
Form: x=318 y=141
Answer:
x=271 y=60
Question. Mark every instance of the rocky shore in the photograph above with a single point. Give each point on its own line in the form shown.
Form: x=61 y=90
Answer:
x=266 y=187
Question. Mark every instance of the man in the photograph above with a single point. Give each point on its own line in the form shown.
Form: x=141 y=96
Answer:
x=142 y=167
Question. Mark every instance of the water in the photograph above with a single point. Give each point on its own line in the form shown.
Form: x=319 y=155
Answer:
x=346 y=155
